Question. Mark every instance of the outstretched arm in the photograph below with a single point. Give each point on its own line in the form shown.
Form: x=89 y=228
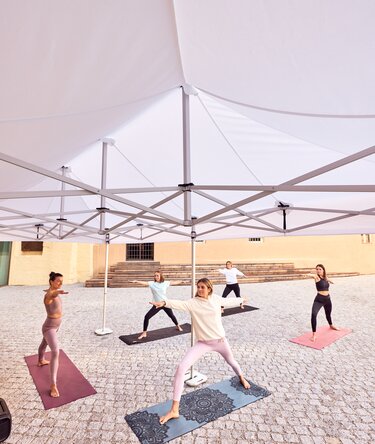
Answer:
x=172 y=303
x=144 y=283
x=175 y=282
x=54 y=293
x=312 y=275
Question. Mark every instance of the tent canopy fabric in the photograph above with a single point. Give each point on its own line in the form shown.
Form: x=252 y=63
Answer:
x=158 y=121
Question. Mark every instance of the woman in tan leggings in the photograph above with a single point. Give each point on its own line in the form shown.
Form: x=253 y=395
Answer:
x=53 y=305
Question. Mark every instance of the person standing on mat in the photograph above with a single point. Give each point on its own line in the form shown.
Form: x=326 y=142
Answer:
x=231 y=274
x=205 y=312
x=322 y=298
x=158 y=289
x=53 y=305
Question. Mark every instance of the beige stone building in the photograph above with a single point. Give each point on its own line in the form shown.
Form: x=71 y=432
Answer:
x=79 y=262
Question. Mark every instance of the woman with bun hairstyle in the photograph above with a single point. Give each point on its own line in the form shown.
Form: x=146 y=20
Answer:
x=322 y=299
x=205 y=312
x=53 y=306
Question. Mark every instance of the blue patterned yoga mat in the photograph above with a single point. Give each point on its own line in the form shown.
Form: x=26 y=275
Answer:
x=196 y=409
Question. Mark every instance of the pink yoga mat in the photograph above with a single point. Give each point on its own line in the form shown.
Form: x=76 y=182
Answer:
x=71 y=383
x=324 y=336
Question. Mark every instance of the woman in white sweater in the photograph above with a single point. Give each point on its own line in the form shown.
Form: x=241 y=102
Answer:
x=205 y=311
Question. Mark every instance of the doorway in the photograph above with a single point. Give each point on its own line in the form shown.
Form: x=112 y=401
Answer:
x=5 y=249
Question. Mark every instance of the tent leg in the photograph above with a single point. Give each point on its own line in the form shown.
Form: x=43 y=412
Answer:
x=192 y=377
x=105 y=330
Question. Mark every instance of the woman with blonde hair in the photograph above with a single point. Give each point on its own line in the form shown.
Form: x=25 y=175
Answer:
x=205 y=311
x=158 y=289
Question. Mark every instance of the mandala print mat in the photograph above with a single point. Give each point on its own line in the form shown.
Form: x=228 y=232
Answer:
x=196 y=409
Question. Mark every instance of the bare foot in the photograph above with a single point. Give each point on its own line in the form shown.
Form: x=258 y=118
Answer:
x=242 y=306
x=179 y=328
x=143 y=335
x=43 y=362
x=244 y=382
x=313 y=337
x=54 y=392
x=170 y=415
x=334 y=328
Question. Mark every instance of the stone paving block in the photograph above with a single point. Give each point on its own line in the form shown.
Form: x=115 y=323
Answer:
x=306 y=439
x=319 y=440
x=317 y=395
x=277 y=437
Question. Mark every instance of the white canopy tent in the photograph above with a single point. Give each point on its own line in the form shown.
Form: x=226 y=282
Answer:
x=146 y=121
x=277 y=109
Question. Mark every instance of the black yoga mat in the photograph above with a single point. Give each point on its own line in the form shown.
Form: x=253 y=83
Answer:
x=155 y=335
x=196 y=409
x=236 y=310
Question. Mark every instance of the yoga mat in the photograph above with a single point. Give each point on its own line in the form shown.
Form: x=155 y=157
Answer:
x=155 y=335
x=324 y=336
x=236 y=310
x=196 y=409
x=71 y=384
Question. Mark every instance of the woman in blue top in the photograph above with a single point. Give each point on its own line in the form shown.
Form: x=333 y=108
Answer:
x=322 y=299
x=158 y=289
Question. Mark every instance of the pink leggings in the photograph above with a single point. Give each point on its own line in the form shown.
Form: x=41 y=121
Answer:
x=49 y=330
x=200 y=348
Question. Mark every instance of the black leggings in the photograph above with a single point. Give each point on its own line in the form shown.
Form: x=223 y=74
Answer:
x=319 y=302
x=152 y=312
x=231 y=287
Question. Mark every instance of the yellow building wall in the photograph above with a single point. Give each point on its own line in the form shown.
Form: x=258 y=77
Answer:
x=73 y=260
x=116 y=253
x=346 y=253
x=79 y=262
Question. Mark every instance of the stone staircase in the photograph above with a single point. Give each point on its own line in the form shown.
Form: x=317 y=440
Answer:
x=120 y=274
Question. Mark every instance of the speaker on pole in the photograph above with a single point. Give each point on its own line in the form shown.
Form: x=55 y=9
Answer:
x=5 y=421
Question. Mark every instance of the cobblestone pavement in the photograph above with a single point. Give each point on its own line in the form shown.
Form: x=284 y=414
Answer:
x=318 y=396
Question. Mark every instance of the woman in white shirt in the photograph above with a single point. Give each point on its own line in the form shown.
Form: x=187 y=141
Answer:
x=158 y=289
x=205 y=311
x=231 y=274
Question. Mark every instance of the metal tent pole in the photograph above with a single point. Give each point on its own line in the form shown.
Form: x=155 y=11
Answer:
x=192 y=377
x=64 y=170
x=104 y=330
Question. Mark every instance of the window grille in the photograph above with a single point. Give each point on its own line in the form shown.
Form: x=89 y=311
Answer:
x=140 y=252
x=32 y=246
x=366 y=238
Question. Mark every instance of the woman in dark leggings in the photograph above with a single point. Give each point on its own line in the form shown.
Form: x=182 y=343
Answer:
x=322 y=299
x=158 y=289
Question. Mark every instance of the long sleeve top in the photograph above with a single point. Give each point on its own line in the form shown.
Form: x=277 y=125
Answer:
x=231 y=274
x=205 y=314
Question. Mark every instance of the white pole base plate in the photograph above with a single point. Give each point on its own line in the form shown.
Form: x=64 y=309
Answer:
x=197 y=379
x=103 y=331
